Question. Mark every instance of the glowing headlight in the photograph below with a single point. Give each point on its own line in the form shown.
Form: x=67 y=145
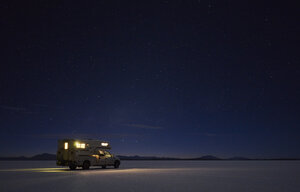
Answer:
x=104 y=144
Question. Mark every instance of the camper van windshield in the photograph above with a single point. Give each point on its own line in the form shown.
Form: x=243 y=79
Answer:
x=107 y=154
x=101 y=153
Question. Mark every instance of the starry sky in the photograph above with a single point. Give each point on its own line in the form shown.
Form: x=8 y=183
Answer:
x=166 y=78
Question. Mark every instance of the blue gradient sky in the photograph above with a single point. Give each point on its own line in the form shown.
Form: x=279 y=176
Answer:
x=166 y=78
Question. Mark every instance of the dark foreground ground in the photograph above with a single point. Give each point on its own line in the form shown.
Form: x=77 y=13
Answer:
x=240 y=176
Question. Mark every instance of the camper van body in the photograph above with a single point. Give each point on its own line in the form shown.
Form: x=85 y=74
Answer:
x=85 y=153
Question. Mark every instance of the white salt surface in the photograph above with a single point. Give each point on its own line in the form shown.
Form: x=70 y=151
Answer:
x=204 y=176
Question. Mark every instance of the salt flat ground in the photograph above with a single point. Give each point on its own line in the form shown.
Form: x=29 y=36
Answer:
x=204 y=176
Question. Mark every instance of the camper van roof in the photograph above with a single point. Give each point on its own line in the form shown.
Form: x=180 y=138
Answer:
x=89 y=142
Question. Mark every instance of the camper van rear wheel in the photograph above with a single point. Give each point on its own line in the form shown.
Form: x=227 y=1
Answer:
x=117 y=164
x=103 y=166
x=86 y=165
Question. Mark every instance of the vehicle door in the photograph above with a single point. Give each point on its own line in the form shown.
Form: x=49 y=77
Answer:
x=99 y=158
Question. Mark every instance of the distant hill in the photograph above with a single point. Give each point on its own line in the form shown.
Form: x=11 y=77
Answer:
x=47 y=156
x=208 y=157
x=136 y=157
x=238 y=158
x=44 y=156
x=14 y=158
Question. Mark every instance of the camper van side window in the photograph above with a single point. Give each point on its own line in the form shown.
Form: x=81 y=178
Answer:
x=80 y=145
x=66 y=145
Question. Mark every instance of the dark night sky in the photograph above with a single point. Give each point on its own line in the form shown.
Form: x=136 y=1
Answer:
x=165 y=78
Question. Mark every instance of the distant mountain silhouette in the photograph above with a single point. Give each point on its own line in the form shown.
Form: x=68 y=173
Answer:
x=136 y=157
x=44 y=156
x=47 y=156
x=208 y=157
x=238 y=158
x=14 y=158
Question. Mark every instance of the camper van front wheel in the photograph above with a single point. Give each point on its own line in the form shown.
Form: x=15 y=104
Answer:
x=117 y=164
x=86 y=165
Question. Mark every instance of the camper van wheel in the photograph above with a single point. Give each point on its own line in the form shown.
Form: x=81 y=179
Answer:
x=103 y=166
x=86 y=165
x=72 y=167
x=117 y=164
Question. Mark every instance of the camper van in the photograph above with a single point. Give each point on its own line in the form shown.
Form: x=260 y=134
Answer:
x=85 y=153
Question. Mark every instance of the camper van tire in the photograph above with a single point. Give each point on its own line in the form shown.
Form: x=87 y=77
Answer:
x=72 y=167
x=86 y=165
x=117 y=164
x=103 y=166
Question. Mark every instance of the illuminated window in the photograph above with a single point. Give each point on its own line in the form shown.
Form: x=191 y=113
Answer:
x=80 y=145
x=66 y=145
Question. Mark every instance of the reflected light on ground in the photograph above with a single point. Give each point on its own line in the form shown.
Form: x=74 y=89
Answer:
x=55 y=170
x=136 y=170
x=100 y=170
